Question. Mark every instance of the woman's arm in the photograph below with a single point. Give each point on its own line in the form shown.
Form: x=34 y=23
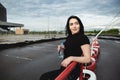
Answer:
x=82 y=59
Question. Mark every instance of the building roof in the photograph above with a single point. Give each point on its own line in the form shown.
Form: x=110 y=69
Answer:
x=9 y=24
x=1 y=5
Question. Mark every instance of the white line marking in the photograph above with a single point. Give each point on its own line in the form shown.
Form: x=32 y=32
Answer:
x=25 y=58
x=117 y=41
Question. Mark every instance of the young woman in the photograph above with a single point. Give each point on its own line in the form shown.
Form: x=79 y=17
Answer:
x=76 y=48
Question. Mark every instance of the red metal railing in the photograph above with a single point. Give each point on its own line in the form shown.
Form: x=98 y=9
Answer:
x=66 y=72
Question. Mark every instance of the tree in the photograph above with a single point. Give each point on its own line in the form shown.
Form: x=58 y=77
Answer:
x=113 y=31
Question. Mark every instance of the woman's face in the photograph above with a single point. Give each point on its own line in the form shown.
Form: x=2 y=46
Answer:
x=74 y=26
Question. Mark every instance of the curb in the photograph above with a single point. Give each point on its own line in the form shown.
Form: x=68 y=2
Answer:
x=25 y=43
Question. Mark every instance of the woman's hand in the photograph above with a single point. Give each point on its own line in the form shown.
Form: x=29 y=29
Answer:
x=66 y=61
x=60 y=47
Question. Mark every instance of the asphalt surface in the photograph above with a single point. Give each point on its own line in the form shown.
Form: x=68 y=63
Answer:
x=29 y=62
x=108 y=65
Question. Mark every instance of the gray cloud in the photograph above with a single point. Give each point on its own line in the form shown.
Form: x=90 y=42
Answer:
x=61 y=7
x=33 y=10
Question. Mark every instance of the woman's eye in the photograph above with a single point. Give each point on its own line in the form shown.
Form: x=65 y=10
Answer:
x=76 y=23
x=71 y=24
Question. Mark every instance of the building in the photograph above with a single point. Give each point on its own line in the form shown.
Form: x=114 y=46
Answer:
x=21 y=31
x=3 y=13
x=4 y=25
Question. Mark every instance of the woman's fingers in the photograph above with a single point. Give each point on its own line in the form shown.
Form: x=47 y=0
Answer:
x=59 y=48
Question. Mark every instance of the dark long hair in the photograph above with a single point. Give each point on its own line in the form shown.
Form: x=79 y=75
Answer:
x=81 y=31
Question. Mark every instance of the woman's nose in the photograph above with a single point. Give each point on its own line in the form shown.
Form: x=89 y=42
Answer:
x=74 y=25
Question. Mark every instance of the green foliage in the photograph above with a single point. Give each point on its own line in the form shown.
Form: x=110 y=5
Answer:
x=108 y=32
x=111 y=31
x=45 y=32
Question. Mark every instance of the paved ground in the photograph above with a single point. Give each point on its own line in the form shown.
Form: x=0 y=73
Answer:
x=29 y=62
x=8 y=39
x=109 y=60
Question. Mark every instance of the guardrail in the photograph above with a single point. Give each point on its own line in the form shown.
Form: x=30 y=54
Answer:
x=66 y=72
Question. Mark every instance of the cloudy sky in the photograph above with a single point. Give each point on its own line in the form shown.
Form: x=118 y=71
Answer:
x=38 y=15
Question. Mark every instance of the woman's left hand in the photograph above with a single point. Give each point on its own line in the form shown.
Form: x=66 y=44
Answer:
x=66 y=61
